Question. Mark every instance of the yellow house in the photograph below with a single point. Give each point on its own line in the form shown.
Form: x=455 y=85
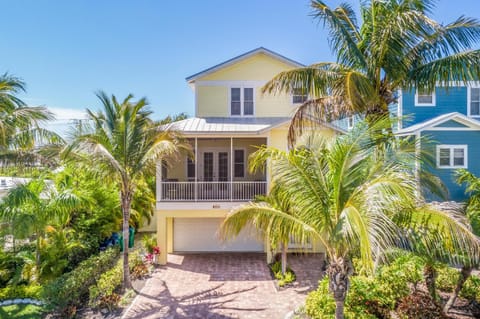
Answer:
x=232 y=118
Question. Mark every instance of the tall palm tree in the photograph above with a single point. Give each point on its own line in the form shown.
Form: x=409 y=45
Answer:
x=472 y=183
x=124 y=146
x=258 y=214
x=397 y=45
x=20 y=130
x=352 y=203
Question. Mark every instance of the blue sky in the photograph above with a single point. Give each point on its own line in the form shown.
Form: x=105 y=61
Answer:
x=67 y=50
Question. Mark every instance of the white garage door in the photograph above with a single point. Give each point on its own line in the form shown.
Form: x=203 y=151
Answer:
x=200 y=234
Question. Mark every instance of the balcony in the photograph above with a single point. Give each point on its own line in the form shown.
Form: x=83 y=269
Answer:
x=211 y=191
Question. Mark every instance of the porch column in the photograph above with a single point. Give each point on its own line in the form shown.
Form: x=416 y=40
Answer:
x=195 y=185
x=159 y=179
x=162 y=237
x=231 y=168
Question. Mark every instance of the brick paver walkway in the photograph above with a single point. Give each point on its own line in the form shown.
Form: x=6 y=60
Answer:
x=222 y=286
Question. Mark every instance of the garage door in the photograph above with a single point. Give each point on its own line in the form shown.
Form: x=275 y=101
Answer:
x=200 y=234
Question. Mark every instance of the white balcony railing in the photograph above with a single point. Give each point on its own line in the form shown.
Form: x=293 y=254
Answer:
x=211 y=191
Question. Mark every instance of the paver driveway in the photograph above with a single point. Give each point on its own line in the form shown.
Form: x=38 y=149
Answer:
x=223 y=286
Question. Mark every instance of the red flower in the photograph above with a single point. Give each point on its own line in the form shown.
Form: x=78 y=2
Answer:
x=156 y=250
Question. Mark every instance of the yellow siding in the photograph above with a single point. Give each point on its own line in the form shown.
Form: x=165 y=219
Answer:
x=213 y=98
x=212 y=101
x=256 y=68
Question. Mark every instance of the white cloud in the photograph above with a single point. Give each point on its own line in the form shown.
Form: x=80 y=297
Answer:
x=62 y=113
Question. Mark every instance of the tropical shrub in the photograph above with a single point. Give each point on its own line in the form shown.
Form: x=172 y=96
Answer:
x=447 y=280
x=21 y=291
x=419 y=305
x=104 y=293
x=403 y=271
x=71 y=289
x=285 y=279
x=471 y=289
x=321 y=305
x=149 y=242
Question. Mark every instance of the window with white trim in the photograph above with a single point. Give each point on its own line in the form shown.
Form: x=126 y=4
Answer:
x=239 y=163
x=474 y=102
x=299 y=96
x=242 y=101
x=423 y=98
x=452 y=156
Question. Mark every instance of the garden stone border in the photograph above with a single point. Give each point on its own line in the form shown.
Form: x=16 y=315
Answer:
x=19 y=301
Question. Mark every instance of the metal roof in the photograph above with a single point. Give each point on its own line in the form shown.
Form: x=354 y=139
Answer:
x=246 y=55
x=227 y=125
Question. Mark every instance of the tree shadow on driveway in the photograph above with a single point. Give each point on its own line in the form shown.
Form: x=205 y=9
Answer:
x=201 y=304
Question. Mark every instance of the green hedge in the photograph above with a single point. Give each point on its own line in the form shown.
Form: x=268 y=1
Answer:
x=71 y=289
x=22 y=291
x=104 y=292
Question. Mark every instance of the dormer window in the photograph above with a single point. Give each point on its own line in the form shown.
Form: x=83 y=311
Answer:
x=299 y=96
x=424 y=98
x=241 y=101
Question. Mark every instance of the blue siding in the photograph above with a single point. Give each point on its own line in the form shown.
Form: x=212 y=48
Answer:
x=472 y=139
x=452 y=100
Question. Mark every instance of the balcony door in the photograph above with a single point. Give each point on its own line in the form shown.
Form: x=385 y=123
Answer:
x=215 y=166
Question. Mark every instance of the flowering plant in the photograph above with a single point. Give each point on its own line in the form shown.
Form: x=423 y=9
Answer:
x=156 y=250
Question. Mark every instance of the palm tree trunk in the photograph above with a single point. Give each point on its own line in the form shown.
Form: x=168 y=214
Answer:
x=430 y=276
x=464 y=275
x=339 y=272
x=284 y=258
x=126 y=199
x=37 y=254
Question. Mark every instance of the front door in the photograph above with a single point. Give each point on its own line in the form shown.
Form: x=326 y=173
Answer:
x=215 y=166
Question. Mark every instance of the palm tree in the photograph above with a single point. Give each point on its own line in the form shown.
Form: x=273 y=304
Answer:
x=396 y=46
x=472 y=183
x=124 y=146
x=349 y=201
x=35 y=209
x=20 y=131
x=258 y=214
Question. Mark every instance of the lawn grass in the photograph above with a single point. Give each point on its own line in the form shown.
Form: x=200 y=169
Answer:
x=21 y=312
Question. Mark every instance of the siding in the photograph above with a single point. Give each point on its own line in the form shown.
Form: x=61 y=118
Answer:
x=452 y=100
x=212 y=90
x=471 y=138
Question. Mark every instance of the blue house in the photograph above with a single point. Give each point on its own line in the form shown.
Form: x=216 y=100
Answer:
x=447 y=121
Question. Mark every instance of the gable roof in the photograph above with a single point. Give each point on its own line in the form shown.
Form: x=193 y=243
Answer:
x=241 y=57
x=469 y=123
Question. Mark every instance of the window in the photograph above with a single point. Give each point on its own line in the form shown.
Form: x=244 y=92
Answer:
x=474 y=102
x=164 y=170
x=242 y=101
x=423 y=98
x=239 y=163
x=350 y=122
x=236 y=101
x=452 y=156
x=299 y=96
x=190 y=168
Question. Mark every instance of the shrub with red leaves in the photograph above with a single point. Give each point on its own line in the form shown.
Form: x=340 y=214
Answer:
x=419 y=305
